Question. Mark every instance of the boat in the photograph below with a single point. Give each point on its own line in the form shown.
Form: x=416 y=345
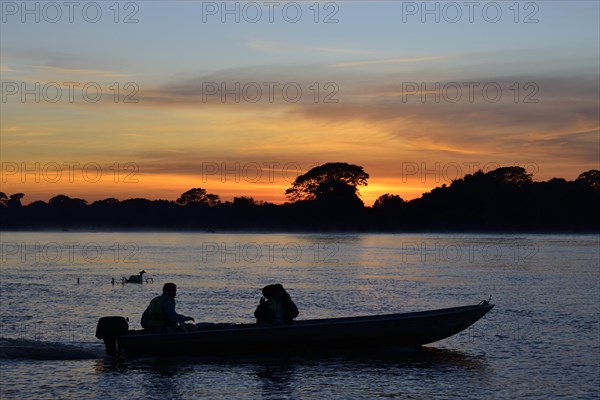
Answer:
x=403 y=330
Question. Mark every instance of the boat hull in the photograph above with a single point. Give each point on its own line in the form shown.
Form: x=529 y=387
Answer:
x=398 y=330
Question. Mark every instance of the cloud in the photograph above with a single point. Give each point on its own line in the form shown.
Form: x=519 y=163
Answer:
x=530 y=117
x=70 y=71
x=43 y=64
x=400 y=60
x=5 y=69
x=378 y=121
x=280 y=46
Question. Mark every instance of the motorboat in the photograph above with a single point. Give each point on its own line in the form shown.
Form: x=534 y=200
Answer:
x=402 y=330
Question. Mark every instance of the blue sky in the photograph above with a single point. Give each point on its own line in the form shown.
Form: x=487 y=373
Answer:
x=171 y=37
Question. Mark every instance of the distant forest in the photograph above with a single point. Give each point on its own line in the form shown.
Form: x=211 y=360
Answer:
x=326 y=199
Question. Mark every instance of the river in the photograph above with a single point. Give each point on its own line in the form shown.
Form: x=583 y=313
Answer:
x=542 y=339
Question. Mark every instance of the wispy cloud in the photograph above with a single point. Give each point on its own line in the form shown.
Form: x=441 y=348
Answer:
x=70 y=71
x=281 y=46
x=5 y=68
x=49 y=63
x=387 y=61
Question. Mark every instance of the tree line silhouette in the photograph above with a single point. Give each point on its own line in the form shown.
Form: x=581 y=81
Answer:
x=326 y=198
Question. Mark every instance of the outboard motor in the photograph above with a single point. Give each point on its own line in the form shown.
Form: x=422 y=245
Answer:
x=109 y=329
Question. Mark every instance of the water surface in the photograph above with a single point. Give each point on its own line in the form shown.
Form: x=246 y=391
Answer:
x=541 y=340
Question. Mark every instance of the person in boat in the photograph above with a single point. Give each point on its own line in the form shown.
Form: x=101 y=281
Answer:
x=160 y=315
x=276 y=306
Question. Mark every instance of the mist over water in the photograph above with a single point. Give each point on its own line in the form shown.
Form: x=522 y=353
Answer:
x=541 y=340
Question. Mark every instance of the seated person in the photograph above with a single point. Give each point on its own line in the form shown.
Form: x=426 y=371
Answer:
x=160 y=315
x=278 y=308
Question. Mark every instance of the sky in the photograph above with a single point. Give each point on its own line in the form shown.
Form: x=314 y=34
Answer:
x=152 y=98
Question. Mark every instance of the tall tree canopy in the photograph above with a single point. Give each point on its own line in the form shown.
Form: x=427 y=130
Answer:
x=326 y=179
x=198 y=196
x=510 y=175
x=65 y=201
x=389 y=201
x=590 y=178
x=14 y=200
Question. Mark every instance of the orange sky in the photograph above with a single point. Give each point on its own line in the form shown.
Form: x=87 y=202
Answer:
x=416 y=104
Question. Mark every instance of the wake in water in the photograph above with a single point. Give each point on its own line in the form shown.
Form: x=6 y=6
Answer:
x=40 y=350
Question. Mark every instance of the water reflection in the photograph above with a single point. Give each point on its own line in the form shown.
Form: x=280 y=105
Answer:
x=278 y=369
x=275 y=377
x=164 y=378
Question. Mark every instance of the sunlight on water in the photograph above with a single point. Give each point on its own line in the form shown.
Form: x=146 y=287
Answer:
x=541 y=339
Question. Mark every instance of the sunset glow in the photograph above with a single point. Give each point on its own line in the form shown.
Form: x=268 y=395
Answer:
x=183 y=96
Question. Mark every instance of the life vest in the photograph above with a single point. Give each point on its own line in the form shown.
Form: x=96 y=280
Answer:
x=155 y=313
x=277 y=311
x=274 y=311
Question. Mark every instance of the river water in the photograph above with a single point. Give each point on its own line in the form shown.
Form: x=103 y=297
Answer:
x=542 y=340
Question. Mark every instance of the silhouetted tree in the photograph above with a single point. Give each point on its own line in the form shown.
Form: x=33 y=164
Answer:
x=388 y=212
x=111 y=201
x=14 y=200
x=388 y=201
x=326 y=179
x=244 y=201
x=505 y=199
x=198 y=196
x=65 y=201
x=340 y=196
x=510 y=175
x=591 y=178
